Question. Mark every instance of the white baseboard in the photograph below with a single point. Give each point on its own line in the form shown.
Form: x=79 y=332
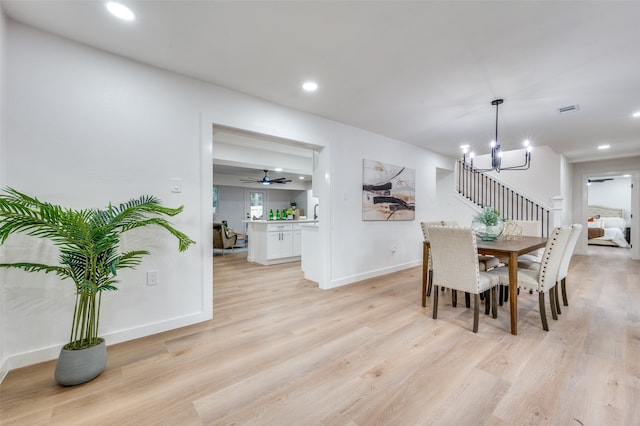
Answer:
x=46 y=354
x=371 y=274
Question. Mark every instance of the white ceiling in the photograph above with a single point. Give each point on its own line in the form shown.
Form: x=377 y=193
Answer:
x=423 y=72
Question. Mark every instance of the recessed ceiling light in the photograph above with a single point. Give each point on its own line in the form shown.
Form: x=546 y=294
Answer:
x=310 y=86
x=604 y=146
x=278 y=169
x=120 y=11
x=636 y=114
x=301 y=177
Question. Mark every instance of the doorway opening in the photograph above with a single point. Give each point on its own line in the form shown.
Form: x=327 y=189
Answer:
x=609 y=214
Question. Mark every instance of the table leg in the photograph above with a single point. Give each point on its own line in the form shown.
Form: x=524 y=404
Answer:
x=513 y=291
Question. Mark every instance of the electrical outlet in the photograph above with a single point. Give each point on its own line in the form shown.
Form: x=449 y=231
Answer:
x=153 y=278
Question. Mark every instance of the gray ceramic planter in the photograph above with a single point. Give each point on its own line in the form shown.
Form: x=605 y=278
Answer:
x=80 y=366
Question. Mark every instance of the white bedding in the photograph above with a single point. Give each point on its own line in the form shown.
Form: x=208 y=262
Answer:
x=611 y=235
x=613 y=231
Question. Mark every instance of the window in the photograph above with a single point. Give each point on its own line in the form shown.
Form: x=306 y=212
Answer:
x=256 y=204
x=215 y=199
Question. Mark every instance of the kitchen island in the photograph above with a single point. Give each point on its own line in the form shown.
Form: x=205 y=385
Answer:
x=275 y=241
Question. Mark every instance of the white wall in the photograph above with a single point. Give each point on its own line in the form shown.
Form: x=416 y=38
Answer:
x=3 y=88
x=230 y=207
x=541 y=182
x=451 y=206
x=368 y=244
x=86 y=127
x=566 y=181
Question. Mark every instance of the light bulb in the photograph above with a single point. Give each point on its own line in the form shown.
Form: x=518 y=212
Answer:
x=120 y=11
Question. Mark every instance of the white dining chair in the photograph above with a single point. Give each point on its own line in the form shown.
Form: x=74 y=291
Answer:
x=576 y=230
x=563 y=270
x=485 y=263
x=455 y=266
x=544 y=278
x=526 y=228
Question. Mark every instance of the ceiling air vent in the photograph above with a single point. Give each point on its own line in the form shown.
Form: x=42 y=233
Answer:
x=569 y=108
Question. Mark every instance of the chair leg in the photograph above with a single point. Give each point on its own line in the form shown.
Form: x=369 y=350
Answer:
x=494 y=304
x=557 y=297
x=487 y=302
x=543 y=314
x=476 y=311
x=425 y=292
x=563 y=282
x=454 y=298
x=435 y=303
x=467 y=299
x=504 y=294
x=552 y=302
x=430 y=283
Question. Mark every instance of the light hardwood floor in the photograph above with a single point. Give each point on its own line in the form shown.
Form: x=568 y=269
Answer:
x=279 y=351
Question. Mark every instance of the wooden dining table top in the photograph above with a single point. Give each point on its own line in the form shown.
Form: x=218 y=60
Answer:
x=518 y=246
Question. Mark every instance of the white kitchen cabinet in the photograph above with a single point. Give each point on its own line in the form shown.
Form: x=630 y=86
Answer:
x=280 y=242
x=297 y=243
x=272 y=242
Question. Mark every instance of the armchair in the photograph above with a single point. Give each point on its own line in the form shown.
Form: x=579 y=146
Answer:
x=221 y=238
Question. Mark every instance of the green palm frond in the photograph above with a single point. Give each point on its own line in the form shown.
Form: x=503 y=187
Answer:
x=88 y=241
x=38 y=267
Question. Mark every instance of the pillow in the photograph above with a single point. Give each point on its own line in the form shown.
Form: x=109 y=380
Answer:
x=597 y=223
x=613 y=222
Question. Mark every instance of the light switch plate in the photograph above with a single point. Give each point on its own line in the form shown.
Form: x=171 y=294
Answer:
x=176 y=185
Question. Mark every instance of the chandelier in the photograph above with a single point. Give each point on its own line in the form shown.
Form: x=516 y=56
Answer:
x=496 y=152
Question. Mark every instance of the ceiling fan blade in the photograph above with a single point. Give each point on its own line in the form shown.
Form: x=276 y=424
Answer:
x=266 y=180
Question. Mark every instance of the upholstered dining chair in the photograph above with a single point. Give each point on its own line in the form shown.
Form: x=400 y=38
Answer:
x=456 y=266
x=425 y=234
x=544 y=278
x=484 y=262
x=526 y=228
x=563 y=270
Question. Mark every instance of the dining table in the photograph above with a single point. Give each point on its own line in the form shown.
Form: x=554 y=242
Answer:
x=501 y=247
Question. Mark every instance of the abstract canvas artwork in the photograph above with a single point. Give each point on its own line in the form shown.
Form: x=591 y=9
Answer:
x=388 y=191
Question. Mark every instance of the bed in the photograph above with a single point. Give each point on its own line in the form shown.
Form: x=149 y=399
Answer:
x=606 y=227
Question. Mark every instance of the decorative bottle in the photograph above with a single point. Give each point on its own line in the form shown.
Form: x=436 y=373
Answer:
x=277 y=214
x=271 y=214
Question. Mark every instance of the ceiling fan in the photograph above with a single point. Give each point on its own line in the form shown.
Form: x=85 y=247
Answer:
x=266 y=180
x=598 y=180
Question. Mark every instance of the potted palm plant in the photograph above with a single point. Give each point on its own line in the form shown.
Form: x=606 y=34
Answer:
x=90 y=256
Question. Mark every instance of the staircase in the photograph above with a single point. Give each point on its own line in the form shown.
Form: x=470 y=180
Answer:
x=483 y=190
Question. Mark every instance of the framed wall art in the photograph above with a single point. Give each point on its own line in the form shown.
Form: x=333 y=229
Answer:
x=388 y=191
